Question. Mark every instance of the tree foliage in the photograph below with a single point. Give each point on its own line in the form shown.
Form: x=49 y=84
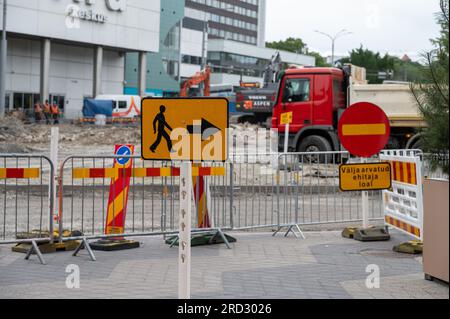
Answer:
x=295 y=45
x=432 y=95
x=374 y=62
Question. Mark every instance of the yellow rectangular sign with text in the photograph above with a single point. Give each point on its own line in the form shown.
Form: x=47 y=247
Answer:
x=185 y=129
x=364 y=177
x=286 y=118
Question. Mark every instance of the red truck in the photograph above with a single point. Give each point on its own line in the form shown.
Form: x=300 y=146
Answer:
x=318 y=96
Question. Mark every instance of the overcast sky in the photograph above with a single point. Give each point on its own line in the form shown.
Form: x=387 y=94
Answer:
x=394 y=26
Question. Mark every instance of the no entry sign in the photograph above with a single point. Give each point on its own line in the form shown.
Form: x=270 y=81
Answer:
x=364 y=129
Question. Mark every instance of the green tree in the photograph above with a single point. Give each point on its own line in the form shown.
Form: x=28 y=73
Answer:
x=373 y=62
x=433 y=95
x=408 y=71
x=295 y=45
x=320 y=60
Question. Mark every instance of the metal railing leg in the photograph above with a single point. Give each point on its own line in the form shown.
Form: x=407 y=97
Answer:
x=84 y=243
x=35 y=248
x=224 y=238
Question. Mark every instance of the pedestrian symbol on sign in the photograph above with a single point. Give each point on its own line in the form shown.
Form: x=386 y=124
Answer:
x=160 y=120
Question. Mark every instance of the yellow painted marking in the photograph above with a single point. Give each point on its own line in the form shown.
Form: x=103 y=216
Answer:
x=139 y=172
x=2 y=173
x=166 y=172
x=363 y=129
x=413 y=174
x=116 y=206
x=31 y=173
x=218 y=171
x=405 y=172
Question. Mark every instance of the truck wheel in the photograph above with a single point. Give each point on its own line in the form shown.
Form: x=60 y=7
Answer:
x=315 y=144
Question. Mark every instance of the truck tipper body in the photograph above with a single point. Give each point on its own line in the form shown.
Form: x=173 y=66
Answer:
x=317 y=97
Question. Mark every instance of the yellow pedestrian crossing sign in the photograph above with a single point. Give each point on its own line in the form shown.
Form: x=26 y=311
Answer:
x=185 y=129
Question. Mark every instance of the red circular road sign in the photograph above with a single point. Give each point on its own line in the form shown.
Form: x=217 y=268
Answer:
x=364 y=129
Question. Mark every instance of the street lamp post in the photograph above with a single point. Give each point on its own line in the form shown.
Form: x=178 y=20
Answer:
x=3 y=56
x=333 y=39
x=204 y=54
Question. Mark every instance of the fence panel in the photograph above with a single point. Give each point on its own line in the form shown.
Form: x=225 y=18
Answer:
x=308 y=187
x=26 y=208
x=403 y=205
x=153 y=195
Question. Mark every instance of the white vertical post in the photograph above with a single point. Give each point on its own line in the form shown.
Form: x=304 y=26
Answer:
x=286 y=139
x=184 y=263
x=54 y=143
x=286 y=145
x=365 y=203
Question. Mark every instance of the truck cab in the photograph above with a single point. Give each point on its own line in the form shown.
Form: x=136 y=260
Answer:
x=316 y=97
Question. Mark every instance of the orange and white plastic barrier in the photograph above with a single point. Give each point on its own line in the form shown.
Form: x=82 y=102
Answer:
x=403 y=204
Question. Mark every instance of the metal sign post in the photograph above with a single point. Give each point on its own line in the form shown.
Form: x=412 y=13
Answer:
x=184 y=263
x=54 y=141
x=365 y=203
x=364 y=130
x=286 y=119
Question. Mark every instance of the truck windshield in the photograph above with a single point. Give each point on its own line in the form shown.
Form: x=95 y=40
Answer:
x=296 y=90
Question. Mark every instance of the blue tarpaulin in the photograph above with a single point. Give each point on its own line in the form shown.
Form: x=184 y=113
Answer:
x=93 y=107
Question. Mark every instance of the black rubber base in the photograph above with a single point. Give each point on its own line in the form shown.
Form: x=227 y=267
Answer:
x=411 y=247
x=372 y=234
x=114 y=245
x=203 y=239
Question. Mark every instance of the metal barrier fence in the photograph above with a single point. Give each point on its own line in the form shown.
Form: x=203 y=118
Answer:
x=256 y=191
x=310 y=194
x=152 y=201
x=273 y=190
x=26 y=208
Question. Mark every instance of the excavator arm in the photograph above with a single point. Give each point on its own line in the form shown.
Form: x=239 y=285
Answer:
x=203 y=76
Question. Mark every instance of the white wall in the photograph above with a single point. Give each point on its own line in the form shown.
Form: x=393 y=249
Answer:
x=261 y=42
x=71 y=72
x=188 y=70
x=137 y=28
x=191 y=42
x=222 y=78
x=259 y=52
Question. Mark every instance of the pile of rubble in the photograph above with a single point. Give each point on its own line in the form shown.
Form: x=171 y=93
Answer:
x=18 y=137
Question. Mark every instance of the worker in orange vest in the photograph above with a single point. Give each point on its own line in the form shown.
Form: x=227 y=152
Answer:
x=55 y=113
x=38 y=112
x=47 y=112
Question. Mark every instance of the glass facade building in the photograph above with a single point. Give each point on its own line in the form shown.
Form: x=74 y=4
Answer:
x=237 y=20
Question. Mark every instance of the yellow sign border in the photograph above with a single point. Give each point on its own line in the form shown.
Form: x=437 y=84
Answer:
x=365 y=189
x=227 y=152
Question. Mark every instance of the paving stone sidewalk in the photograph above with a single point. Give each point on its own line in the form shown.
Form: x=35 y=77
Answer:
x=259 y=266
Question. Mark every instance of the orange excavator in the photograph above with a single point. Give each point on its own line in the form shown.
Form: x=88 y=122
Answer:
x=203 y=76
